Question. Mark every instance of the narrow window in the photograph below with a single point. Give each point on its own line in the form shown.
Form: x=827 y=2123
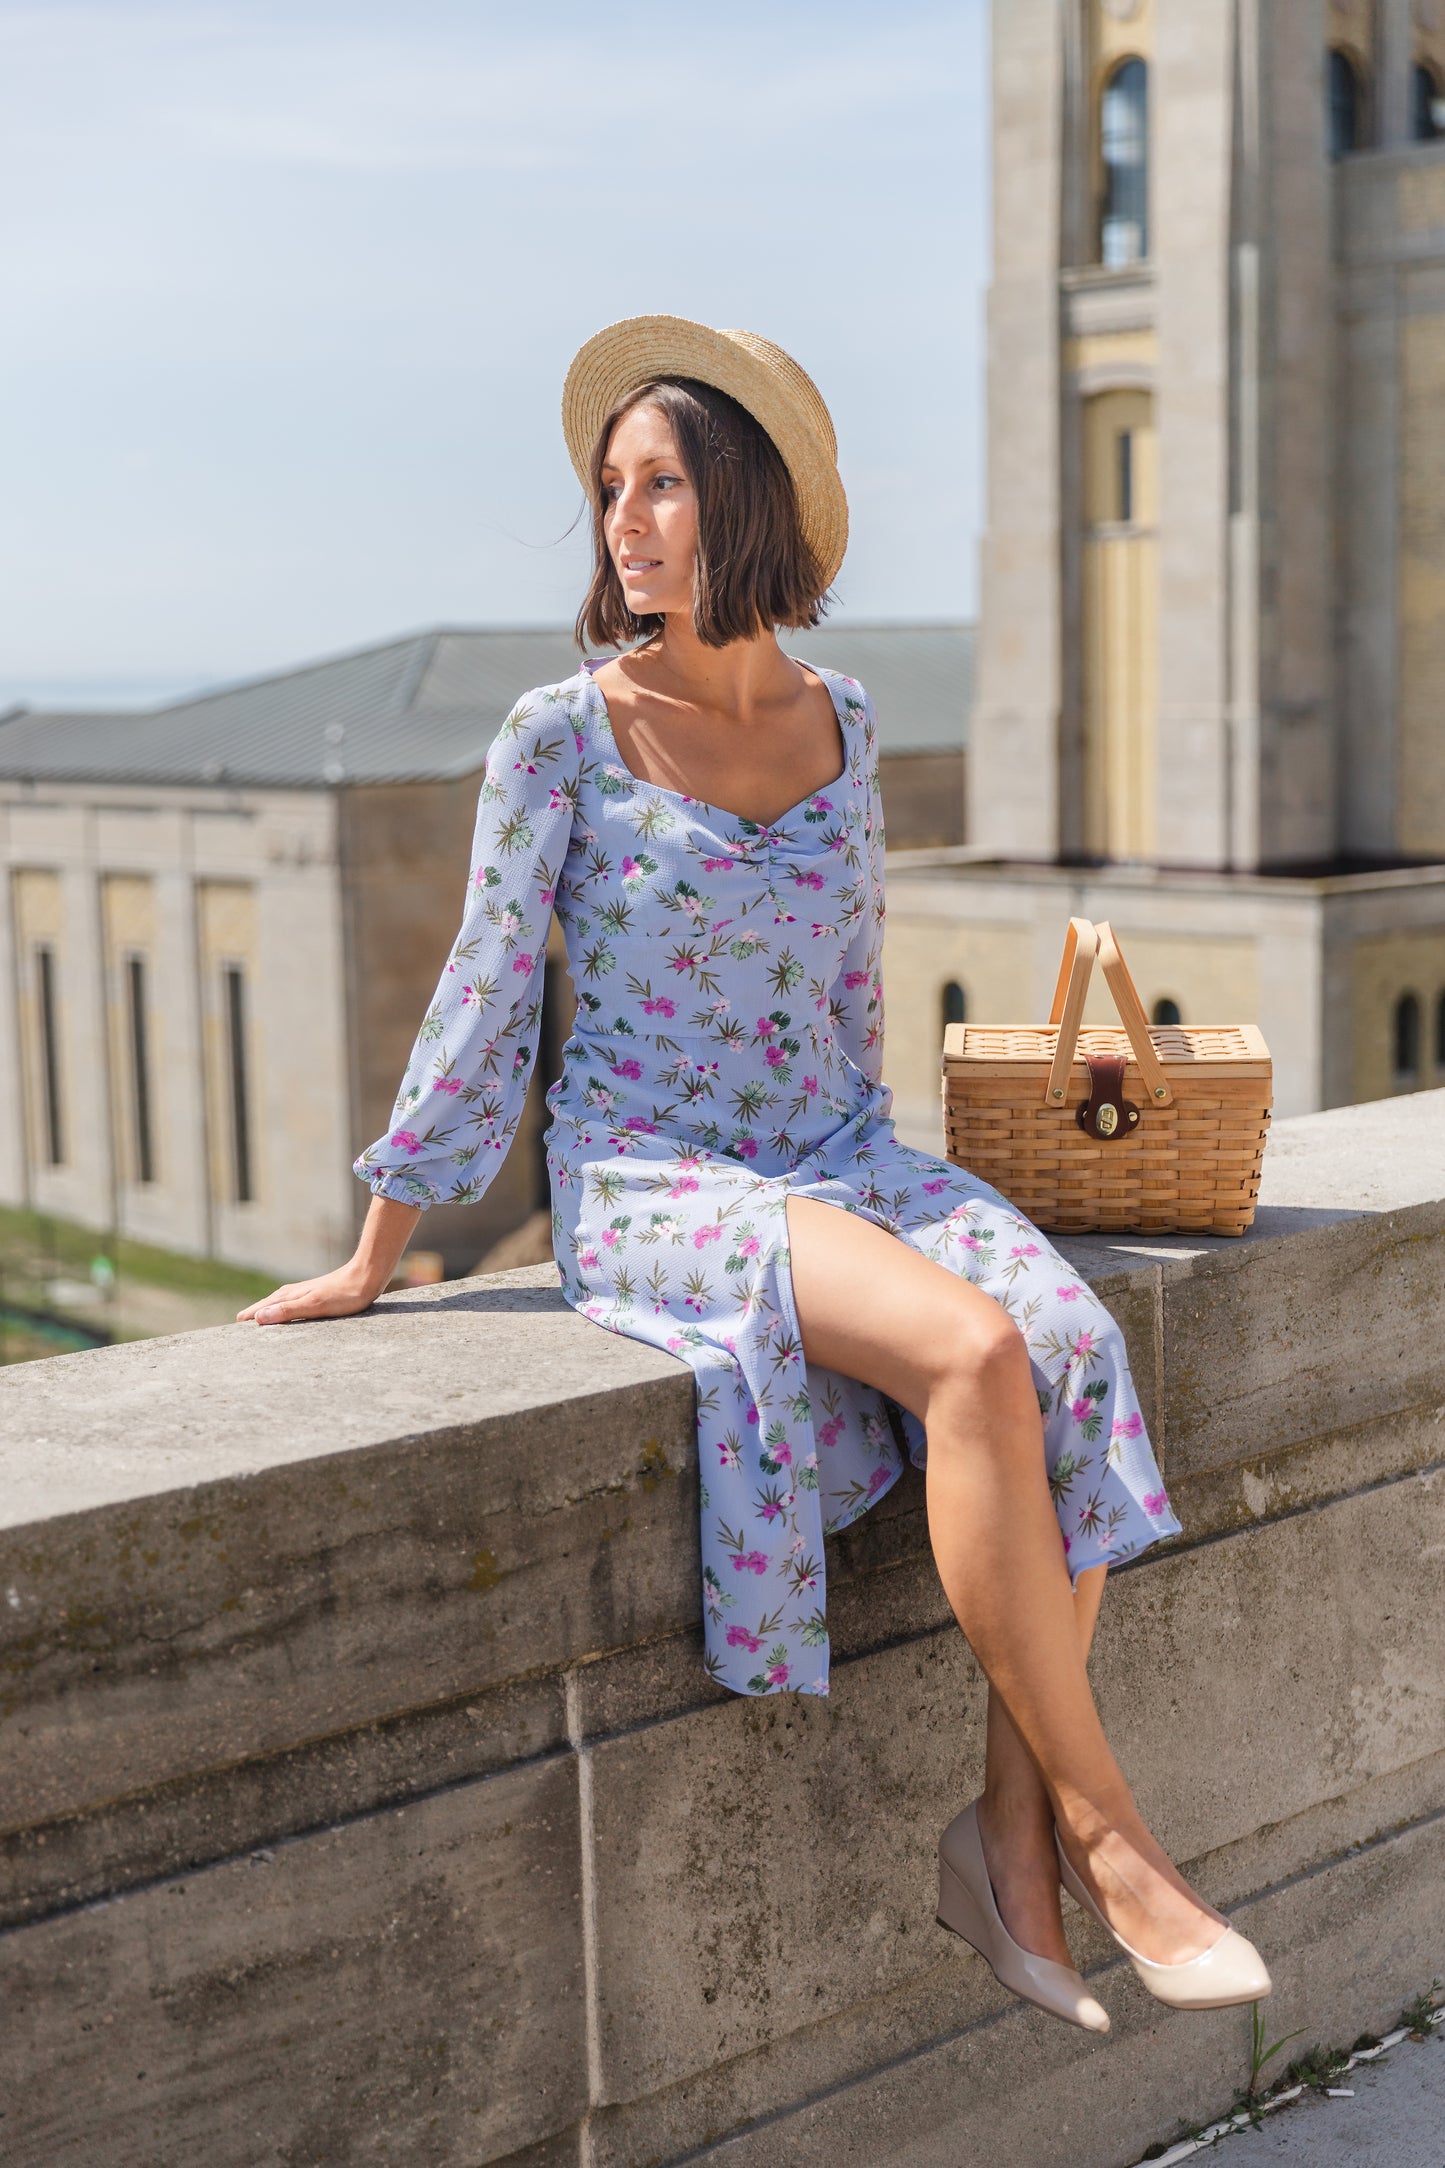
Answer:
x=955 y=1003
x=1126 y=474
x=50 y=1054
x=1407 y=1038
x=1427 y=105
x=1344 y=105
x=234 y=982
x=1124 y=149
x=140 y=1076
x=1440 y=1030
x=1167 y=1011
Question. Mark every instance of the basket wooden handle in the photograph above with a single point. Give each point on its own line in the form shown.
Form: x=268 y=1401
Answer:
x=1081 y=945
x=1131 y=1016
x=1082 y=942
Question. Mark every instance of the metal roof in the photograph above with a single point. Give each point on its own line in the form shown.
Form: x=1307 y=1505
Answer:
x=427 y=707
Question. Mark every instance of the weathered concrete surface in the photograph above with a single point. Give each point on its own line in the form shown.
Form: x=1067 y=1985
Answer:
x=1396 y=2117
x=432 y=1641
x=407 y=1987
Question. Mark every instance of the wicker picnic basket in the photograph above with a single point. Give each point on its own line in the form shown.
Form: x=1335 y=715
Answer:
x=1152 y=1129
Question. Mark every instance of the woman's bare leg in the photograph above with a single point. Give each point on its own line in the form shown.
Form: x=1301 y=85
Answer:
x=872 y=1308
x=1016 y=1815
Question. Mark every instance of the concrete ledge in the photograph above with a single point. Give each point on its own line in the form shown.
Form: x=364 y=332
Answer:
x=360 y=1785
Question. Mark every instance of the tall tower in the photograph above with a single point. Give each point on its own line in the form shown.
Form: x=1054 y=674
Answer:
x=1211 y=656
x=1183 y=640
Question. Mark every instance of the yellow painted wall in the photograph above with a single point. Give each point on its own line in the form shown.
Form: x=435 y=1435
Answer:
x=1382 y=967
x=993 y=965
x=1422 y=570
x=227 y=935
x=40 y=920
x=1214 y=979
x=1120 y=612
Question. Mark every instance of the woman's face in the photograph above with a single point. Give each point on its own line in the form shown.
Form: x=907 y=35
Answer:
x=649 y=517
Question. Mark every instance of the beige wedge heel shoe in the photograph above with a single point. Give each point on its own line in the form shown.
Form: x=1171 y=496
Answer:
x=1231 y=1970
x=966 y=1904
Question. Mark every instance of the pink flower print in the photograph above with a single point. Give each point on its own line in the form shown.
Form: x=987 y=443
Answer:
x=682 y=1185
x=610 y=1238
x=451 y=1084
x=749 y=1246
x=1081 y=1410
x=1085 y=1344
x=777 y=1674
x=523 y=962
x=820 y=804
x=784 y=1453
x=1024 y=1249
x=776 y=1056
x=752 y=1415
x=770 y=1509
x=1070 y=1293
x=1156 y=1505
x=972 y=1242
x=751 y=1562
x=589 y=1260
x=740 y=1638
x=483 y=876
x=1127 y=1426
x=811 y=879
x=855 y=978
x=718 y=865
x=638 y=1121
x=547 y=896
x=830 y=1432
x=746 y=1148
x=629 y=1068
x=407 y=1141
x=878 y=1481
x=703 y=1235
x=810 y=1086
x=1068 y=1544
x=766 y=1027
x=660 y=1005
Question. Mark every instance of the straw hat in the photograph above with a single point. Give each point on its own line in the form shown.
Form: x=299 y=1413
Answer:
x=759 y=375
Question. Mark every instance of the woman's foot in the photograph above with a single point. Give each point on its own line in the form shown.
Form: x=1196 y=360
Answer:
x=1140 y=1891
x=1018 y=1846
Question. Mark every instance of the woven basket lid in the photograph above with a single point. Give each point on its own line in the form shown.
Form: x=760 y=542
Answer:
x=759 y=375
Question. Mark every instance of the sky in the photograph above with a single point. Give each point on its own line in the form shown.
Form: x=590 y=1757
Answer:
x=292 y=288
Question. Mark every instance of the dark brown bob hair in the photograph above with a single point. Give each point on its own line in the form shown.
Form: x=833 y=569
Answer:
x=754 y=570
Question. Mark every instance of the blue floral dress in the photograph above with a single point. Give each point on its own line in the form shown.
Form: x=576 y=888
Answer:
x=727 y=1054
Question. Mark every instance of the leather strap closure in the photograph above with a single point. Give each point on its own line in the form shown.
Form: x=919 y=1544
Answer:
x=1106 y=1114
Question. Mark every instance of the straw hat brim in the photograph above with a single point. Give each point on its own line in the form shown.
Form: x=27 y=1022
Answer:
x=759 y=375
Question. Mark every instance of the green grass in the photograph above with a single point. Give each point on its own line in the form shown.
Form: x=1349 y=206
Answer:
x=33 y=1246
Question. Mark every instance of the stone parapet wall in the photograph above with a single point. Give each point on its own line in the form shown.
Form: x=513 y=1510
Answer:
x=363 y=1799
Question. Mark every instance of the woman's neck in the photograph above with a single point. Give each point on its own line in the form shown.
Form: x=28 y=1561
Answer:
x=742 y=679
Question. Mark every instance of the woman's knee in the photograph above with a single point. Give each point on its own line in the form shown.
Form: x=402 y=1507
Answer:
x=985 y=1356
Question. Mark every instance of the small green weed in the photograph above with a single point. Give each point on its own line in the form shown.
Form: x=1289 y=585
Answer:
x=1416 y=2015
x=1259 y=2054
x=1320 y=2067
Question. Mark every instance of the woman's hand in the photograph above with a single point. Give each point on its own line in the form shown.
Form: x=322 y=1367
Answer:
x=351 y=1287
x=333 y=1294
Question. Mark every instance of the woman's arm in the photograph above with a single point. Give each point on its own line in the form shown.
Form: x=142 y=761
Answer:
x=466 y=1078
x=354 y=1286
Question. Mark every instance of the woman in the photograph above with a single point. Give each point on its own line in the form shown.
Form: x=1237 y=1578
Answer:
x=703 y=815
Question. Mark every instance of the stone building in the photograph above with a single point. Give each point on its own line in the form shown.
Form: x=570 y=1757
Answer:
x=222 y=919
x=1212 y=629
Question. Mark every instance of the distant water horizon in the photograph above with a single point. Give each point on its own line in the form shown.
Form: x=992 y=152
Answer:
x=103 y=693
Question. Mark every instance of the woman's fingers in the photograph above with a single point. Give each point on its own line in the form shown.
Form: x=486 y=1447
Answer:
x=302 y=1299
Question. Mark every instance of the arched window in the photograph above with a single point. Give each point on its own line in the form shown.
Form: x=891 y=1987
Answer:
x=1166 y=1011
x=1407 y=1038
x=1440 y=1030
x=1346 y=105
x=1124 y=153
x=1427 y=104
x=955 y=1003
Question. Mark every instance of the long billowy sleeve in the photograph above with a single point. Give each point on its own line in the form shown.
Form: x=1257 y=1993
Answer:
x=466 y=1080
x=855 y=1000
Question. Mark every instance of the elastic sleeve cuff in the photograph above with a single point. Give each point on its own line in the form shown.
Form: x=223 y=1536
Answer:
x=400 y=1187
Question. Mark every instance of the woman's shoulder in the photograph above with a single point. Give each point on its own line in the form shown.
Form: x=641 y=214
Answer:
x=850 y=691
